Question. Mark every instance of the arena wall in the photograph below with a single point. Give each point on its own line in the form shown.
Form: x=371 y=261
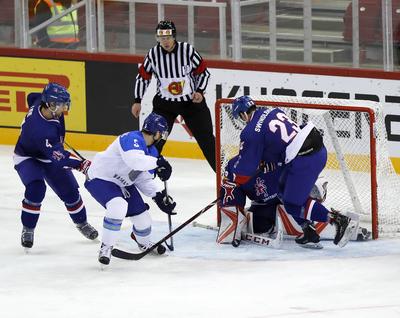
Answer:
x=102 y=92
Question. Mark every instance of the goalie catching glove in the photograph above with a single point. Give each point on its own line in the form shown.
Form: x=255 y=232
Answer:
x=164 y=169
x=165 y=202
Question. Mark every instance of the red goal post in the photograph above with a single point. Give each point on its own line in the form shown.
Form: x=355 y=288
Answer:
x=359 y=171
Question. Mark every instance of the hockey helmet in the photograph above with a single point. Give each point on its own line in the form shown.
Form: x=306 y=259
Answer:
x=241 y=105
x=166 y=28
x=55 y=96
x=154 y=123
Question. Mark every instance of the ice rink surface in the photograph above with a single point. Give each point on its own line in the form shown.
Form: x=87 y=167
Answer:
x=61 y=276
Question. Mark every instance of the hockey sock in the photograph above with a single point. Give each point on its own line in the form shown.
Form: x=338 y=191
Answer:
x=111 y=228
x=115 y=212
x=315 y=211
x=30 y=213
x=77 y=211
x=142 y=227
x=312 y=210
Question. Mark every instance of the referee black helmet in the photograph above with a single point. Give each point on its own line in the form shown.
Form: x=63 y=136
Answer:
x=165 y=28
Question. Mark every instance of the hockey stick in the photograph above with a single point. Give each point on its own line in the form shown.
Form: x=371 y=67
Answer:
x=249 y=237
x=205 y=226
x=171 y=245
x=137 y=256
x=75 y=151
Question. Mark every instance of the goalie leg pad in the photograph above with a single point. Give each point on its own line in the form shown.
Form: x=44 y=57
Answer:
x=233 y=220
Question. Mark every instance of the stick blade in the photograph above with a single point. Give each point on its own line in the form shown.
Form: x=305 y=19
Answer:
x=126 y=255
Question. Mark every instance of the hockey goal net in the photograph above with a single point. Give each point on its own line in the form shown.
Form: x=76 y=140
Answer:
x=360 y=173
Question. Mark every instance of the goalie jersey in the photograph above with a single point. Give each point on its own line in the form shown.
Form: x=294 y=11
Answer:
x=42 y=139
x=127 y=161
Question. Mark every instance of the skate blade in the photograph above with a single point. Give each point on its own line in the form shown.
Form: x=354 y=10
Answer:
x=310 y=245
x=103 y=267
x=351 y=228
x=27 y=250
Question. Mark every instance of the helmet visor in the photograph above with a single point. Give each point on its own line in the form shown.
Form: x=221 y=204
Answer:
x=65 y=106
x=164 y=135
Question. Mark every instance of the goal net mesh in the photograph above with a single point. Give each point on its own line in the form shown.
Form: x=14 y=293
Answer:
x=359 y=170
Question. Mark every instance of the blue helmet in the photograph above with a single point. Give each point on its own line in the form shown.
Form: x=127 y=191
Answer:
x=242 y=105
x=154 y=123
x=54 y=95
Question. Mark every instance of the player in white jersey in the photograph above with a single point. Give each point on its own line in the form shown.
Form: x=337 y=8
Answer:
x=116 y=175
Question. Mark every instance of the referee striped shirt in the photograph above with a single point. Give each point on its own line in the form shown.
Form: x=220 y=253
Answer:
x=179 y=73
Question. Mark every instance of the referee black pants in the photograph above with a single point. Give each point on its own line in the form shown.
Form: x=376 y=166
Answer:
x=197 y=117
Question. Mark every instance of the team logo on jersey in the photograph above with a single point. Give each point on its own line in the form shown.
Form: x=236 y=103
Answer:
x=260 y=187
x=57 y=155
x=176 y=88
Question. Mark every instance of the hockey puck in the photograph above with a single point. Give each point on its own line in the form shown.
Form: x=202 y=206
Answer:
x=235 y=243
x=161 y=249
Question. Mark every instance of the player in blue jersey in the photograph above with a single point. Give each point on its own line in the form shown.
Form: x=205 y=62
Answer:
x=116 y=175
x=40 y=158
x=271 y=136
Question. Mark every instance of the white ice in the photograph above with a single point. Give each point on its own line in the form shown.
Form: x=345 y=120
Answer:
x=61 y=277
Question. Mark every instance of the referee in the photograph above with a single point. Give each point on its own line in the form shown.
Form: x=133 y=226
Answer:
x=182 y=78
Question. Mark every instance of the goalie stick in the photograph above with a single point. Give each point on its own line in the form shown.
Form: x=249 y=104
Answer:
x=137 y=256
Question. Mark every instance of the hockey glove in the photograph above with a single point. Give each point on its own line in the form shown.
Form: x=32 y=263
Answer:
x=84 y=166
x=231 y=194
x=163 y=169
x=165 y=202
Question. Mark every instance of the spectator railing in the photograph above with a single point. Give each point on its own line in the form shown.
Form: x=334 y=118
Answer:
x=365 y=32
x=160 y=13
x=24 y=34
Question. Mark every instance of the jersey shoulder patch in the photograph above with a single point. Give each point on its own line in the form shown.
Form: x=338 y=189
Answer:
x=132 y=140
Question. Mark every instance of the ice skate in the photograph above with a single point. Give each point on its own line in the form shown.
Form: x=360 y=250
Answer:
x=105 y=254
x=161 y=249
x=309 y=238
x=345 y=227
x=27 y=238
x=87 y=230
